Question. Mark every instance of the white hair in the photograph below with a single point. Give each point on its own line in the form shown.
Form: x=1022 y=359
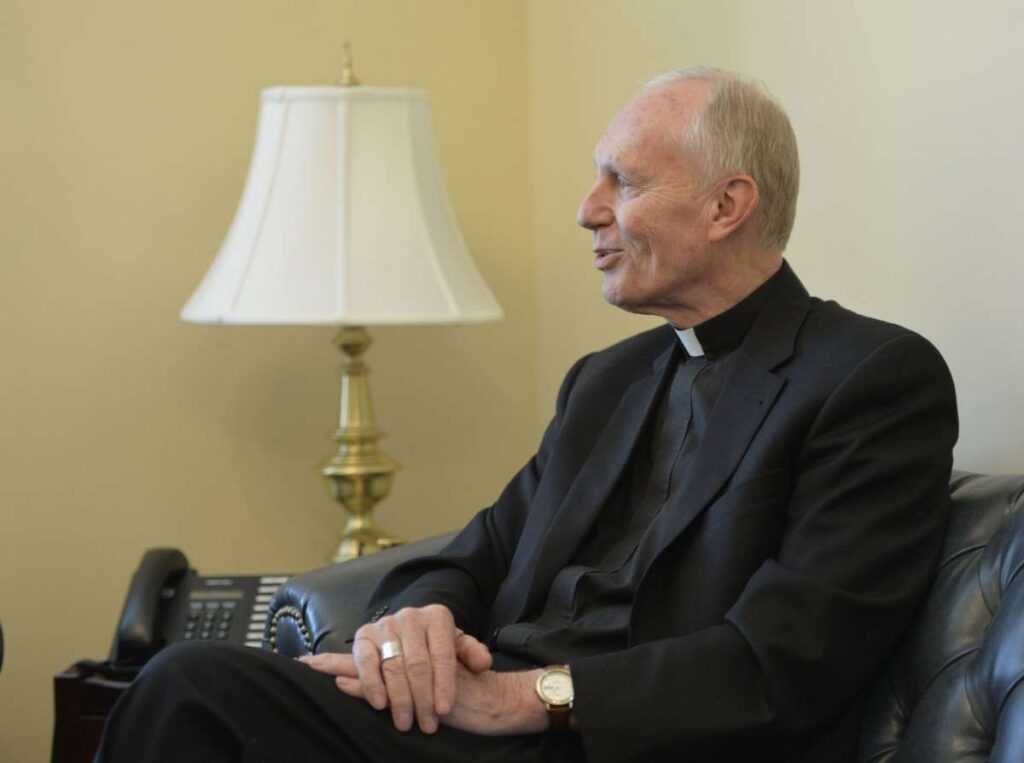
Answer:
x=742 y=128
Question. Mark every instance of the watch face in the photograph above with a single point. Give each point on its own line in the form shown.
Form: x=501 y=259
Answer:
x=555 y=686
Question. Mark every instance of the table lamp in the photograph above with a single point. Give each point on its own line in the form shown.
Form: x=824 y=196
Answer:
x=344 y=220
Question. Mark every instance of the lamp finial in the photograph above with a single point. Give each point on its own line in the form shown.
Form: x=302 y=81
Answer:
x=347 y=78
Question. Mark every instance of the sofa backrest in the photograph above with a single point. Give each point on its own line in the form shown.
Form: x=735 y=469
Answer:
x=954 y=690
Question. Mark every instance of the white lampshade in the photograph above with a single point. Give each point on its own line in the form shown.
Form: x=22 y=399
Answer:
x=344 y=220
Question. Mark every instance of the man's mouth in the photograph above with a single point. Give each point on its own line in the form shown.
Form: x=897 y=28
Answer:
x=604 y=257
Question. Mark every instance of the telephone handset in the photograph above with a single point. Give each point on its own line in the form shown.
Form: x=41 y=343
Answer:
x=168 y=602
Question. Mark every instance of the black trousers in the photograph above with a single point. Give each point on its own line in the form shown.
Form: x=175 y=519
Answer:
x=203 y=702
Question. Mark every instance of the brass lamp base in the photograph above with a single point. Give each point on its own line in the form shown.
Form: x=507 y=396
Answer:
x=359 y=474
x=356 y=543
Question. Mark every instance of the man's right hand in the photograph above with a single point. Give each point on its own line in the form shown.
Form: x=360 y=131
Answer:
x=421 y=682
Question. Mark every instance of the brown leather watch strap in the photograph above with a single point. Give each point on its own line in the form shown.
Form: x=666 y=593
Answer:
x=561 y=718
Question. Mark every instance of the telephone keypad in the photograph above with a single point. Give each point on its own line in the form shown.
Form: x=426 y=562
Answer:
x=224 y=609
x=214 y=622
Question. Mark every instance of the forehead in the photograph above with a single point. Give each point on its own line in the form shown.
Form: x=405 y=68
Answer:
x=648 y=130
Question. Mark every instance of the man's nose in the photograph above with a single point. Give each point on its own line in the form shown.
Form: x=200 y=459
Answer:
x=594 y=211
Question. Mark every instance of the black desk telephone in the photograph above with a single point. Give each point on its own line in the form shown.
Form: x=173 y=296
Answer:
x=168 y=602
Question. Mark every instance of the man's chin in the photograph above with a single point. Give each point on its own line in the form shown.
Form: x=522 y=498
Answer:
x=612 y=296
x=616 y=299
x=630 y=305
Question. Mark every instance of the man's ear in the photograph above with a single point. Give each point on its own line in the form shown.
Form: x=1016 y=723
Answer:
x=735 y=199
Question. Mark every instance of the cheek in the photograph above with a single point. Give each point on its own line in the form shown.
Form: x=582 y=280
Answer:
x=635 y=238
x=630 y=219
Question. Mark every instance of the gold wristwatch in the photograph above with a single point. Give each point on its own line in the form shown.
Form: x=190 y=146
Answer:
x=554 y=687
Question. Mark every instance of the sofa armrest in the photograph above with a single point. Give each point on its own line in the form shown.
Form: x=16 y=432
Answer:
x=319 y=611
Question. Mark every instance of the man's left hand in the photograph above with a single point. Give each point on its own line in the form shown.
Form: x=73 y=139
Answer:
x=488 y=703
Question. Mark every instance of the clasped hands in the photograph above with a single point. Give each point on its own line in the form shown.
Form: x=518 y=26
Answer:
x=441 y=675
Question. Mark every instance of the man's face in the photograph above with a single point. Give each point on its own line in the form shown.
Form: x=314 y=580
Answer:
x=646 y=209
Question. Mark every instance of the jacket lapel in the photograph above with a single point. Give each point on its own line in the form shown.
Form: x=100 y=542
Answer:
x=744 y=402
x=589 y=490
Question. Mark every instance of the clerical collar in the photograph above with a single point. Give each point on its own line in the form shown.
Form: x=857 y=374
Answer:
x=725 y=331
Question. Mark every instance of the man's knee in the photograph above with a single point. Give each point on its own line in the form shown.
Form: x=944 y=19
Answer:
x=176 y=709
x=193 y=663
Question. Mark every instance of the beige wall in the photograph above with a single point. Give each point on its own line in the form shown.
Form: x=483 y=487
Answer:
x=909 y=123
x=125 y=137
x=126 y=133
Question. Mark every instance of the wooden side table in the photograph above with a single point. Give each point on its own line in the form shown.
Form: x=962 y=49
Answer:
x=83 y=700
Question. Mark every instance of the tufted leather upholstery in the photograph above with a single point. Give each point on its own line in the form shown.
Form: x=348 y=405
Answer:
x=954 y=690
x=952 y=693
x=319 y=610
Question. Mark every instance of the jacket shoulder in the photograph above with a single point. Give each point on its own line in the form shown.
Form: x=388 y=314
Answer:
x=647 y=344
x=840 y=336
x=609 y=371
x=840 y=349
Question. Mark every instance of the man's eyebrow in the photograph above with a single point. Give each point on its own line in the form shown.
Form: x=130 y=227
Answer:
x=608 y=165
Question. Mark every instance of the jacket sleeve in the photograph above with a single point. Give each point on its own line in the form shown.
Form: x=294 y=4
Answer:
x=863 y=532
x=466 y=574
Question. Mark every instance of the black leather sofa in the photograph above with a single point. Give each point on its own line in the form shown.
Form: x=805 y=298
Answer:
x=952 y=693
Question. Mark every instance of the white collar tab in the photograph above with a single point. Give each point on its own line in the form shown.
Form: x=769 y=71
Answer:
x=690 y=342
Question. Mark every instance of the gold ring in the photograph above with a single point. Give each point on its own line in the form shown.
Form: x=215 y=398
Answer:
x=389 y=650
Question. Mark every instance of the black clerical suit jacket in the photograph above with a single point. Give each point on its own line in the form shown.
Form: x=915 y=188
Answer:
x=805 y=537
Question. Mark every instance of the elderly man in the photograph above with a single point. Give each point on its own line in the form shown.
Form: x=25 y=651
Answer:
x=726 y=528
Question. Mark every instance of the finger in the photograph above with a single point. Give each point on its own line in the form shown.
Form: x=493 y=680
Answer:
x=366 y=656
x=332 y=663
x=353 y=688
x=398 y=693
x=473 y=654
x=476 y=659
x=416 y=660
x=441 y=636
x=350 y=686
